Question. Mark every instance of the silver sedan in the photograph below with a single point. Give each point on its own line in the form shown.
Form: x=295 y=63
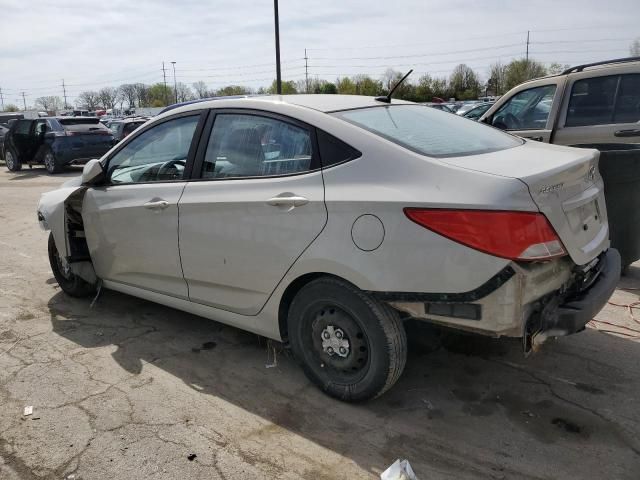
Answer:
x=326 y=221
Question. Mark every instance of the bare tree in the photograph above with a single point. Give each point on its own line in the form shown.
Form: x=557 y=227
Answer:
x=497 y=78
x=184 y=92
x=88 y=99
x=464 y=82
x=201 y=89
x=129 y=94
x=634 y=48
x=48 y=104
x=108 y=97
x=142 y=94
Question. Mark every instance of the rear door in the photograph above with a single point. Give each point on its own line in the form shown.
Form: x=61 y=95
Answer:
x=600 y=109
x=258 y=204
x=529 y=112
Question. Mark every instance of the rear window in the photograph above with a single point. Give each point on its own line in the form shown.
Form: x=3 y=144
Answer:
x=429 y=131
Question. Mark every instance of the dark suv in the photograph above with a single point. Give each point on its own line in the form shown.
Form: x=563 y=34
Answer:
x=55 y=142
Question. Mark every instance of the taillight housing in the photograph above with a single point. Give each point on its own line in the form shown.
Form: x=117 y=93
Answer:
x=522 y=236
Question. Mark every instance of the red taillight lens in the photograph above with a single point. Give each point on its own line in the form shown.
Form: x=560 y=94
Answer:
x=524 y=236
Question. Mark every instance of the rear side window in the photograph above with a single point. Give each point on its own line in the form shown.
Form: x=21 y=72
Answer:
x=253 y=146
x=22 y=127
x=333 y=151
x=592 y=101
x=428 y=131
x=628 y=102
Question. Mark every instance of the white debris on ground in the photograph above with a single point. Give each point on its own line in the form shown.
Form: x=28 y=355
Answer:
x=399 y=470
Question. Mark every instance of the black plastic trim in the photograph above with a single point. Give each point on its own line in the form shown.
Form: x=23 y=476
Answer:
x=491 y=285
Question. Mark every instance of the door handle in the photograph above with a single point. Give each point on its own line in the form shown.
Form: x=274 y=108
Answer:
x=291 y=201
x=156 y=205
x=627 y=133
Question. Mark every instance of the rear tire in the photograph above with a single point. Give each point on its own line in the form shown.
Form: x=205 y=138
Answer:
x=50 y=162
x=350 y=345
x=70 y=283
x=12 y=161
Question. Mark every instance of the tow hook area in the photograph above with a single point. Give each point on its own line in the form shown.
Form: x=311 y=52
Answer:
x=537 y=329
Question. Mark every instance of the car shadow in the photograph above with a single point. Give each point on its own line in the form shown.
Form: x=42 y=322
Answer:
x=465 y=407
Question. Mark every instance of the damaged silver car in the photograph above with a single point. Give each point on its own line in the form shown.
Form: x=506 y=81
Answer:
x=326 y=221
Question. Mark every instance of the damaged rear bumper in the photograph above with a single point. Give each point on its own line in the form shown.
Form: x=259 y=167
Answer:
x=530 y=301
x=570 y=313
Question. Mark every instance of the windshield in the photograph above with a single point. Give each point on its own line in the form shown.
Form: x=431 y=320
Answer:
x=429 y=131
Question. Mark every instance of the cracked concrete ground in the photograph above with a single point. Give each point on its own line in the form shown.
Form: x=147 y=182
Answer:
x=132 y=390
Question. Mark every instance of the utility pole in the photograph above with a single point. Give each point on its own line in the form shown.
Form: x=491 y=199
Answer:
x=24 y=102
x=164 y=76
x=64 y=93
x=527 y=46
x=277 y=23
x=1 y=99
x=175 y=84
x=306 y=70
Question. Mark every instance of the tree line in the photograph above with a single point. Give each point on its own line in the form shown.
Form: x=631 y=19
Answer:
x=464 y=83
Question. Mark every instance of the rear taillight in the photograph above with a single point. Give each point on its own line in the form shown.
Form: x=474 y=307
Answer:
x=526 y=236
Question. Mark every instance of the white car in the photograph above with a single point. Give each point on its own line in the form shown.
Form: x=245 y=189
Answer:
x=325 y=221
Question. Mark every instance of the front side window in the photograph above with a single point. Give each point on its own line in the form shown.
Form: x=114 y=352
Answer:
x=628 y=102
x=592 y=101
x=526 y=110
x=428 y=131
x=157 y=155
x=243 y=145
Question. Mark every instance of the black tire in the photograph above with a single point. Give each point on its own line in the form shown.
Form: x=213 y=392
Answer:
x=49 y=160
x=70 y=283
x=13 y=162
x=376 y=348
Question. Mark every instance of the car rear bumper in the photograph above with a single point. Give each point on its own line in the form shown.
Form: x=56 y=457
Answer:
x=525 y=300
x=577 y=310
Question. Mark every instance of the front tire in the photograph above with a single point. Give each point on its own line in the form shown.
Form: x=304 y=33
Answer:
x=70 y=283
x=50 y=162
x=12 y=161
x=350 y=345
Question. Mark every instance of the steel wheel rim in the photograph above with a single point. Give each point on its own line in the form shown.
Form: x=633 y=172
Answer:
x=49 y=162
x=343 y=369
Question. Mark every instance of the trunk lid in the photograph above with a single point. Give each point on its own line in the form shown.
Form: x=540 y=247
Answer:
x=564 y=183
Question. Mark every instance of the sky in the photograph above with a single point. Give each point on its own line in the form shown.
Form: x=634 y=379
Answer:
x=95 y=44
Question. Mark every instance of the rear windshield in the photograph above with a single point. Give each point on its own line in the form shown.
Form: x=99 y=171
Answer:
x=429 y=131
x=79 y=121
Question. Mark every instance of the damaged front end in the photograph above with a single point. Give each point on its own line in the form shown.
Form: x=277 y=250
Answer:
x=60 y=211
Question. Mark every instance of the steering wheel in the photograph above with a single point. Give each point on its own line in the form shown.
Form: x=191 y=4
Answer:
x=511 y=121
x=168 y=169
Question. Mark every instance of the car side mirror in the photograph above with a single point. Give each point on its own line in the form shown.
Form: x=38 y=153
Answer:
x=93 y=172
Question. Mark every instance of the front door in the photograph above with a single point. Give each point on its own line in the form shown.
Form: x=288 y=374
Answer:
x=258 y=206
x=131 y=223
x=527 y=113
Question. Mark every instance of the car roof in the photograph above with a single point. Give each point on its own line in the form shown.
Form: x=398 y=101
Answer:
x=321 y=102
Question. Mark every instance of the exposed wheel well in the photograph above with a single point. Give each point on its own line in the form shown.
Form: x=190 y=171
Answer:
x=288 y=296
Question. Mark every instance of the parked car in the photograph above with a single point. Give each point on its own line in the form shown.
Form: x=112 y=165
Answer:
x=593 y=106
x=55 y=142
x=325 y=221
x=3 y=132
x=439 y=106
x=477 y=111
x=123 y=127
x=466 y=107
